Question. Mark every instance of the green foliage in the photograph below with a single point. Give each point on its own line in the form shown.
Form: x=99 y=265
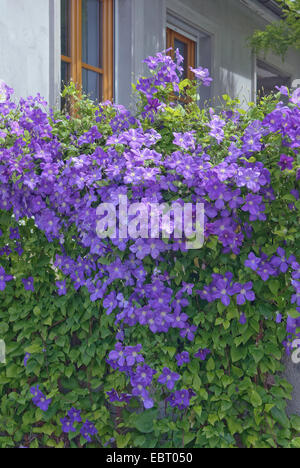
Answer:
x=280 y=35
x=240 y=394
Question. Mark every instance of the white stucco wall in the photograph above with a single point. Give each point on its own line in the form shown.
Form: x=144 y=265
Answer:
x=28 y=41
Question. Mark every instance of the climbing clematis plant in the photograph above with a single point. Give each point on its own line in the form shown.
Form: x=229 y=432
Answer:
x=124 y=333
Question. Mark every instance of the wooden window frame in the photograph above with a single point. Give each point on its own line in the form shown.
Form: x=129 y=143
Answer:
x=75 y=59
x=191 y=49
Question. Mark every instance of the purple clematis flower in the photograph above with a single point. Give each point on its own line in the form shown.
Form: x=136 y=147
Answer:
x=4 y=278
x=243 y=319
x=253 y=262
x=182 y=358
x=132 y=354
x=168 y=377
x=75 y=415
x=202 y=353
x=286 y=162
x=39 y=399
x=61 y=288
x=245 y=293
x=26 y=358
x=28 y=284
x=88 y=429
x=67 y=425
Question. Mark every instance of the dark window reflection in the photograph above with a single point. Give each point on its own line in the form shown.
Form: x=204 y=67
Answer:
x=65 y=32
x=268 y=78
x=91 y=32
x=65 y=78
x=182 y=47
x=92 y=84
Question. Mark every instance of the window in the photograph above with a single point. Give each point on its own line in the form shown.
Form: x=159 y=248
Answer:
x=195 y=45
x=87 y=46
x=186 y=47
x=268 y=77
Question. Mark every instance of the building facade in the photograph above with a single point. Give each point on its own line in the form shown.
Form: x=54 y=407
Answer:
x=101 y=44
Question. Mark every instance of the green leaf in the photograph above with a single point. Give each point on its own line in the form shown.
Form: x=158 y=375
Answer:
x=280 y=416
x=296 y=442
x=188 y=437
x=295 y=422
x=122 y=440
x=274 y=286
x=143 y=422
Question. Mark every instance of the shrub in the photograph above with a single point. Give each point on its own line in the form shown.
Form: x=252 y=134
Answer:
x=141 y=342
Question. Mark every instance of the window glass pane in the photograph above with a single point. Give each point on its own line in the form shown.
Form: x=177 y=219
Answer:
x=65 y=27
x=183 y=50
x=268 y=78
x=92 y=32
x=65 y=73
x=92 y=84
x=65 y=78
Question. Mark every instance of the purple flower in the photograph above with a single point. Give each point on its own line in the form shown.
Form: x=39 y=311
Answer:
x=19 y=249
x=188 y=332
x=251 y=178
x=142 y=376
x=4 y=278
x=39 y=399
x=278 y=318
x=253 y=204
x=132 y=356
x=125 y=397
x=245 y=293
x=253 y=262
x=152 y=107
x=243 y=319
x=266 y=270
x=88 y=429
x=182 y=358
x=113 y=395
x=61 y=288
x=180 y=398
x=281 y=262
x=120 y=335
x=179 y=320
x=187 y=288
x=224 y=291
x=67 y=425
x=89 y=137
x=110 y=302
x=14 y=234
x=140 y=391
x=74 y=415
x=286 y=162
x=168 y=377
x=296 y=97
x=28 y=284
x=185 y=140
x=296 y=297
x=26 y=357
x=118 y=354
x=202 y=74
x=202 y=353
x=296 y=270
